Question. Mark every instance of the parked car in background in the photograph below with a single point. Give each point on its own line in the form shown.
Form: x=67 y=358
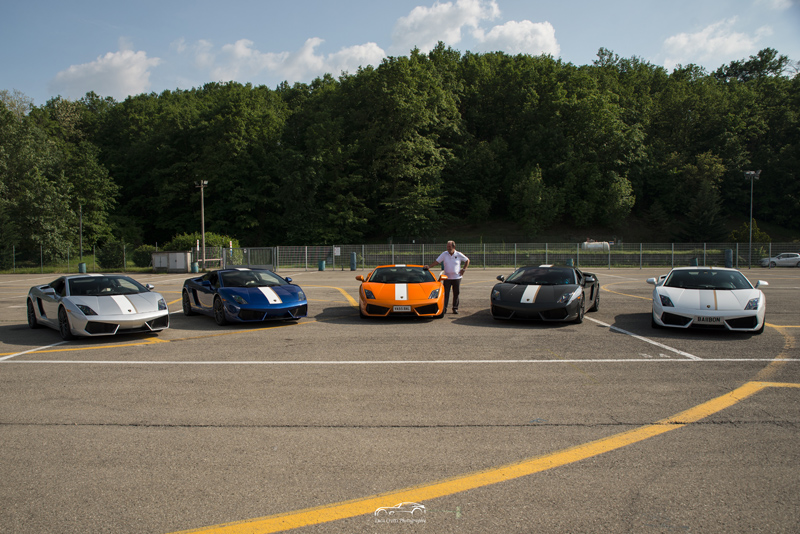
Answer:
x=787 y=259
x=244 y=296
x=708 y=297
x=97 y=305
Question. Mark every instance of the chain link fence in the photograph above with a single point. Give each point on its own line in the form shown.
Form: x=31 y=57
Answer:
x=481 y=255
x=512 y=255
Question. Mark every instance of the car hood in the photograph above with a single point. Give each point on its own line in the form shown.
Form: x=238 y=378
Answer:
x=710 y=299
x=532 y=293
x=402 y=291
x=263 y=295
x=120 y=304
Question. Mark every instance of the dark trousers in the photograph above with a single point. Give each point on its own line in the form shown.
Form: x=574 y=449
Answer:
x=456 y=286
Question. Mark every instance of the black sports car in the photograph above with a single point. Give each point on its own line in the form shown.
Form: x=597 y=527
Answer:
x=545 y=293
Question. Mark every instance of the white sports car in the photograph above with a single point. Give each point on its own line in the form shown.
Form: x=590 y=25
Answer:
x=708 y=297
x=97 y=305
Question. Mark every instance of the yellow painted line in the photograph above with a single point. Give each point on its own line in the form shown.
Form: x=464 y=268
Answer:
x=367 y=505
x=350 y=299
x=605 y=288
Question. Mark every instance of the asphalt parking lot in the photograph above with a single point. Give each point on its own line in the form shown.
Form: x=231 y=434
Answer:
x=493 y=426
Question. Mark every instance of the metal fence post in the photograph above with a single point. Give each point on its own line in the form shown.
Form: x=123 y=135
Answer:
x=515 y=255
x=484 y=256
x=545 y=253
x=641 y=256
x=704 y=254
x=577 y=254
x=673 y=255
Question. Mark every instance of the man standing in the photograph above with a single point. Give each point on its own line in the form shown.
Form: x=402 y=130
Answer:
x=452 y=260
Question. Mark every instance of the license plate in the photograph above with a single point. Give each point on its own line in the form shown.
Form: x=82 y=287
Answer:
x=402 y=308
x=709 y=320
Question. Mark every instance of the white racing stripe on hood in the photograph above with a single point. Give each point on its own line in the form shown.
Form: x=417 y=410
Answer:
x=401 y=292
x=272 y=297
x=126 y=307
x=529 y=296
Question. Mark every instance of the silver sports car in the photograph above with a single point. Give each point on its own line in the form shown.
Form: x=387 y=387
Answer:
x=97 y=305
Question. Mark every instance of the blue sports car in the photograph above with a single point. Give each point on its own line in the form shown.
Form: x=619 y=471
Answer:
x=244 y=295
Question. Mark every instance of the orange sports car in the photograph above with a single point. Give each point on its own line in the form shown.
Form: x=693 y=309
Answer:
x=401 y=291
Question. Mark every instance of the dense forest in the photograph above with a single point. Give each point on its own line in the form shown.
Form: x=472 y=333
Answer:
x=395 y=150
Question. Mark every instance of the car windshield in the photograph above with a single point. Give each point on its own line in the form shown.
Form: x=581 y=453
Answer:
x=102 y=286
x=261 y=278
x=707 y=279
x=401 y=274
x=542 y=276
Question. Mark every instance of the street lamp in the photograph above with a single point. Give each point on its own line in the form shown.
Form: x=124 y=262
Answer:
x=202 y=185
x=753 y=175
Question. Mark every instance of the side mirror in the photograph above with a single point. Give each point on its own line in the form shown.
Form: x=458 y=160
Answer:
x=149 y=287
x=761 y=283
x=590 y=278
x=288 y=279
x=49 y=291
x=652 y=281
x=360 y=278
x=501 y=278
x=442 y=277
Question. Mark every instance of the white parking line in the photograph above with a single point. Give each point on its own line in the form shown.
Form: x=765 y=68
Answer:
x=640 y=338
x=394 y=362
x=4 y=358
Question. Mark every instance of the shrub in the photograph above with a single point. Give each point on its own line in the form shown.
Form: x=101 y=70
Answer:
x=143 y=256
x=189 y=241
x=111 y=255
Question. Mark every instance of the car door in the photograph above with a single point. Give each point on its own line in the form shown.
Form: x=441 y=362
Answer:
x=207 y=290
x=51 y=298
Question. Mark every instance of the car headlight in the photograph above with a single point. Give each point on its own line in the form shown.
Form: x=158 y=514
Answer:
x=86 y=310
x=162 y=304
x=567 y=297
x=752 y=305
x=368 y=294
x=238 y=299
x=301 y=295
x=666 y=302
x=434 y=294
x=495 y=294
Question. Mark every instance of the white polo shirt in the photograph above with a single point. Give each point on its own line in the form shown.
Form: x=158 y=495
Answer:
x=452 y=263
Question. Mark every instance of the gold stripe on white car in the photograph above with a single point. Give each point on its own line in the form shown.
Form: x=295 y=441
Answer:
x=126 y=307
x=401 y=292
x=529 y=296
x=272 y=297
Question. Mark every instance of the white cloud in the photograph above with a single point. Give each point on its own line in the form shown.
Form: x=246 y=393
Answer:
x=524 y=37
x=241 y=61
x=778 y=5
x=717 y=42
x=424 y=27
x=116 y=74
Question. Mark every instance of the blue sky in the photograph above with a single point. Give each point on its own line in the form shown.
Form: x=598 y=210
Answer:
x=52 y=48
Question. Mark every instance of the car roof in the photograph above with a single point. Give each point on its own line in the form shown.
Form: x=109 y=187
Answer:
x=704 y=267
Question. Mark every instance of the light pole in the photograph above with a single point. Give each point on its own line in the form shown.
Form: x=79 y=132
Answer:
x=202 y=185
x=753 y=175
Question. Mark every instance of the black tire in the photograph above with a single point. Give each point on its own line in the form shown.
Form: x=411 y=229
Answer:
x=772 y=265
x=219 y=312
x=32 y=322
x=63 y=325
x=596 y=305
x=581 y=311
x=761 y=330
x=187 y=304
x=653 y=322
